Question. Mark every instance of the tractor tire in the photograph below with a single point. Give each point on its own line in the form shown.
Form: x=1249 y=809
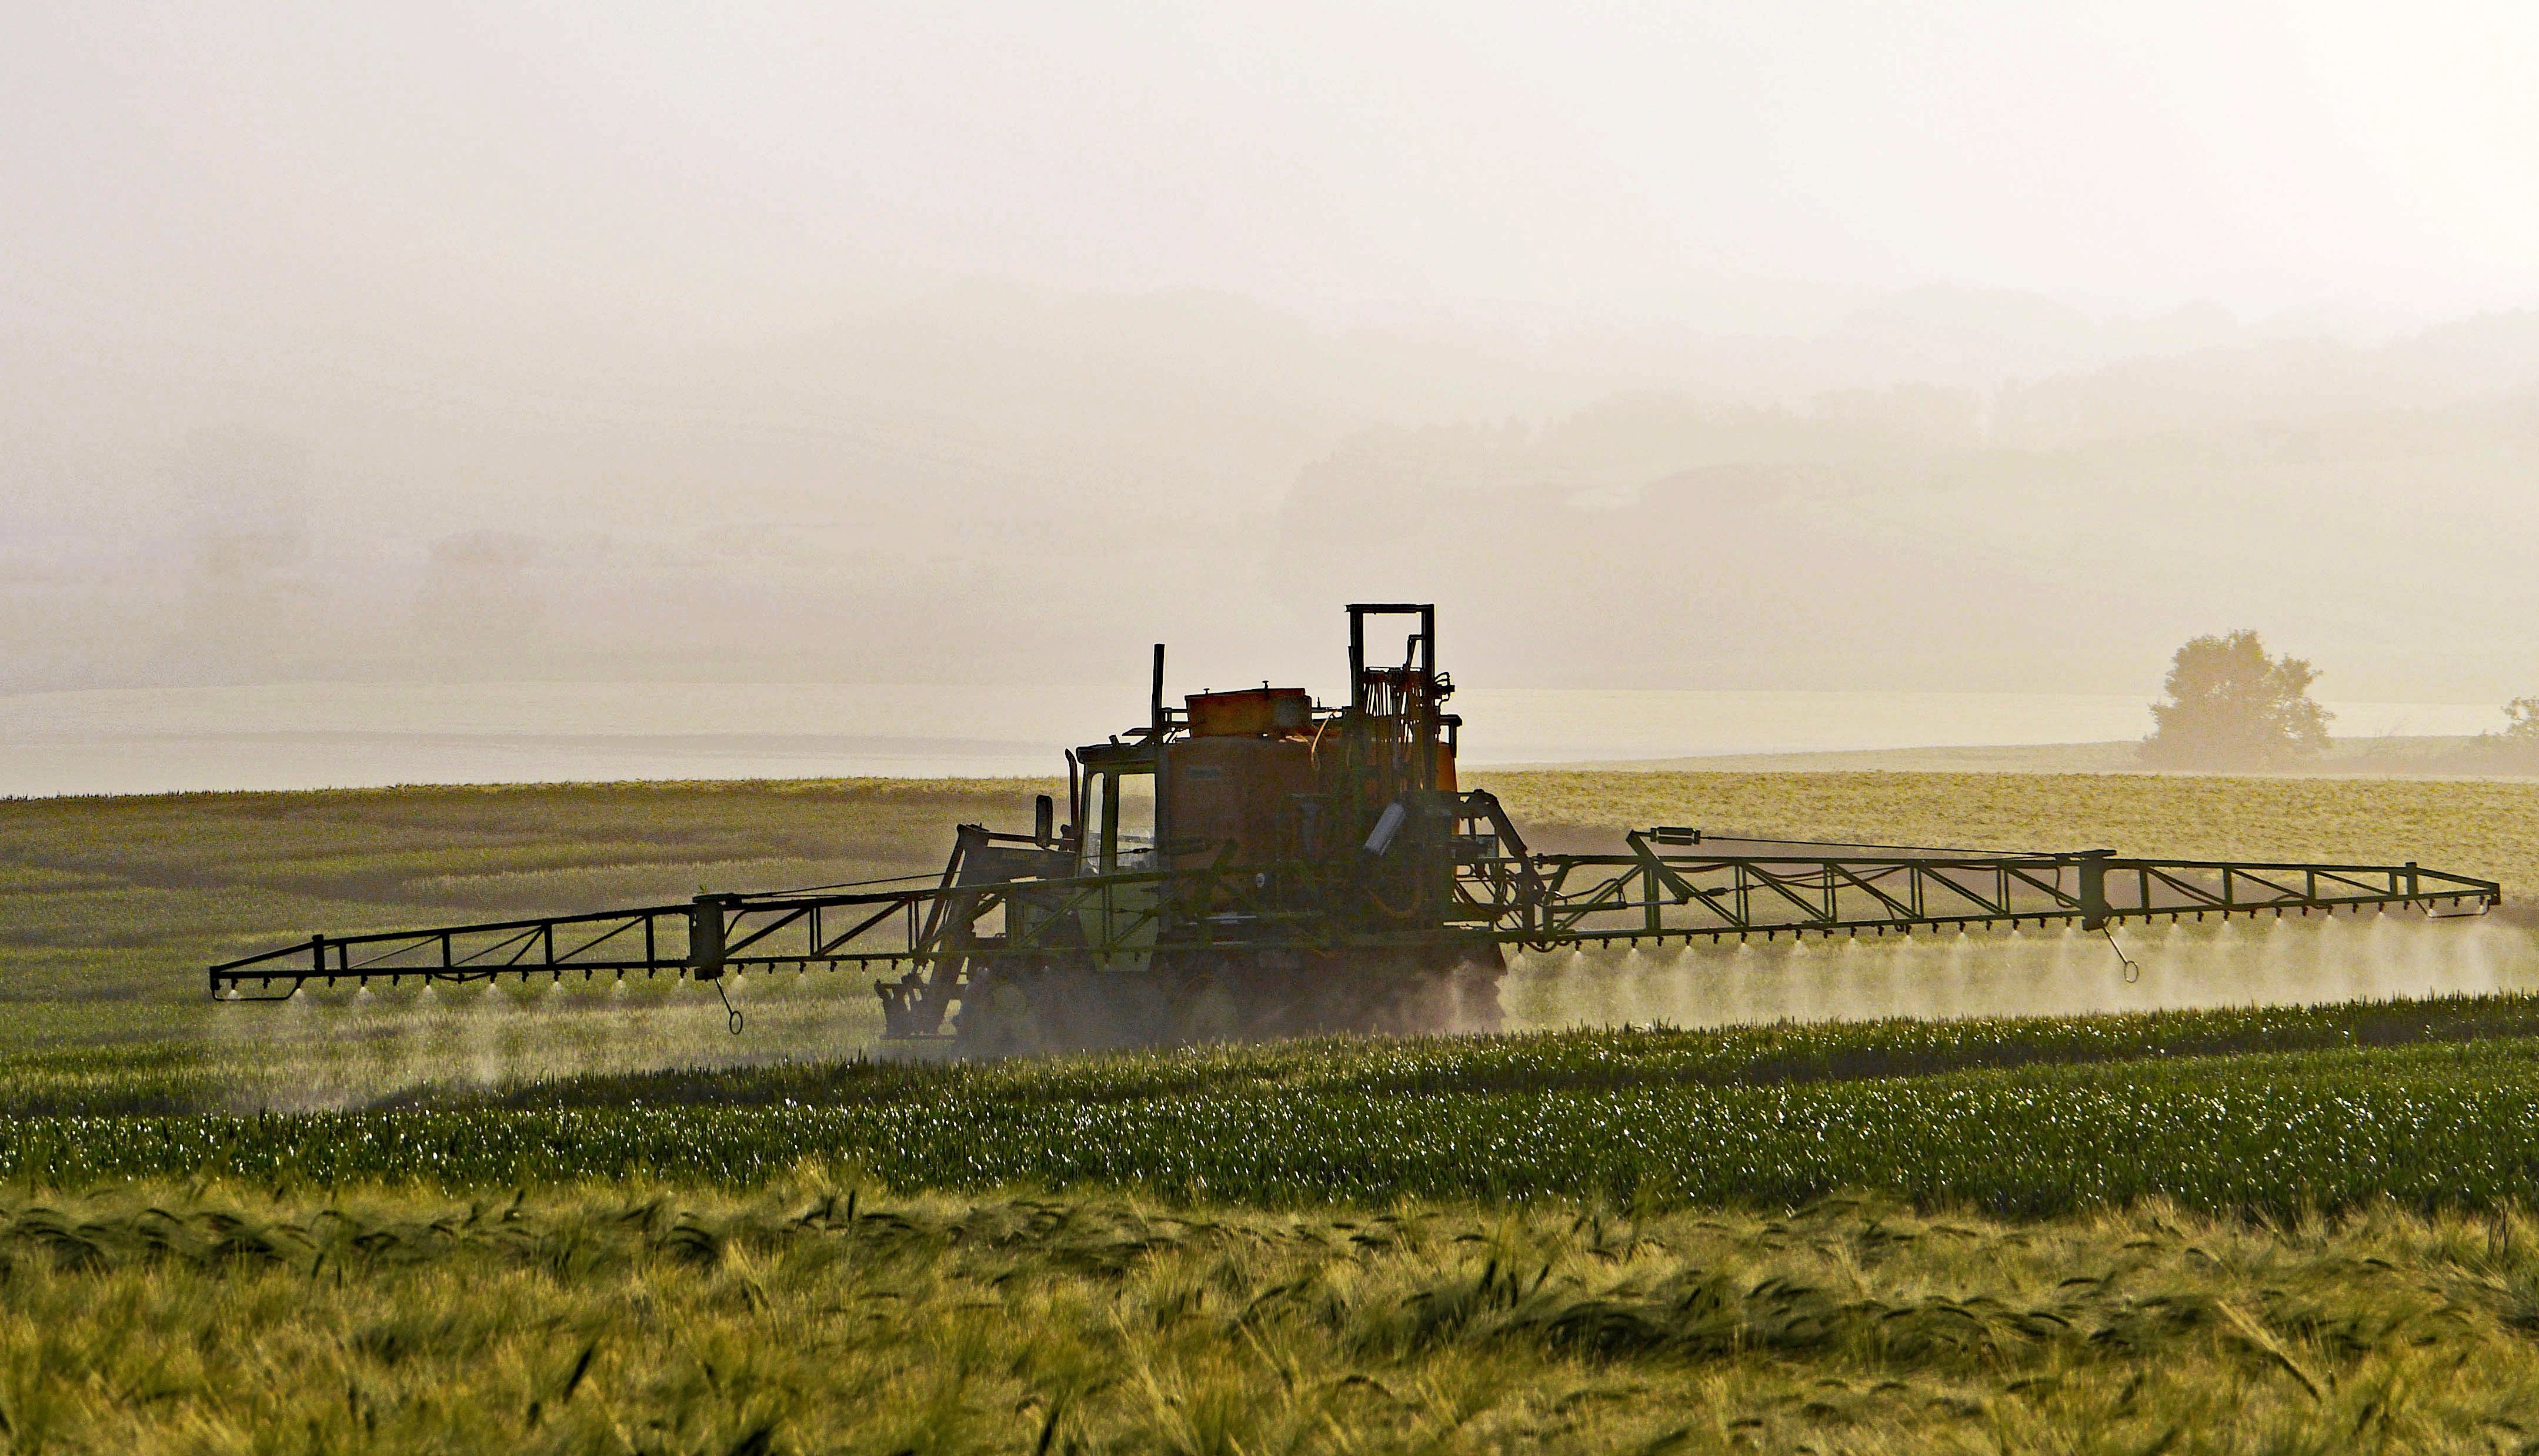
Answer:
x=1208 y=1011
x=1002 y=1020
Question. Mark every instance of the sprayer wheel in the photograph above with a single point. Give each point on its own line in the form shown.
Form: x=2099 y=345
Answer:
x=1207 y=1011
x=1002 y=1022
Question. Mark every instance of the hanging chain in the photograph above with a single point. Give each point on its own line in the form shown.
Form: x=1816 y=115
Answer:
x=2132 y=967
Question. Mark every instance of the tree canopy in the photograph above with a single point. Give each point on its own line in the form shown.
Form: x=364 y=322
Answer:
x=2520 y=724
x=2231 y=706
x=2514 y=750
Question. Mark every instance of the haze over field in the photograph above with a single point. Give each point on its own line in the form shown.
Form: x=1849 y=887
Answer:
x=1981 y=348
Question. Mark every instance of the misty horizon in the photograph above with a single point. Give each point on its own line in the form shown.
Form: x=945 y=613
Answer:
x=1952 y=349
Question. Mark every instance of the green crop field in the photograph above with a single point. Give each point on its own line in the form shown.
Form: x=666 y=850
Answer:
x=584 y=1218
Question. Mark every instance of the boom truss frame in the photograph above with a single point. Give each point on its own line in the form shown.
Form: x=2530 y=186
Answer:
x=1672 y=886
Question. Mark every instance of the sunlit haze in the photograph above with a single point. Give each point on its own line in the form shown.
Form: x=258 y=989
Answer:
x=1968 y=348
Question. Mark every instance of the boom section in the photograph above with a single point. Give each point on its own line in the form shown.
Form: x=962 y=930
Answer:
x=1672 y=885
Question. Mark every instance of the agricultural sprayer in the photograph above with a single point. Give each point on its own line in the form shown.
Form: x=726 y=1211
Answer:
x=1256 y=865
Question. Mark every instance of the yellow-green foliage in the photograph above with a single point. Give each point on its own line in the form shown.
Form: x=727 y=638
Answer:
x=819 y=1317
x=2487 y=829
x=110 y=908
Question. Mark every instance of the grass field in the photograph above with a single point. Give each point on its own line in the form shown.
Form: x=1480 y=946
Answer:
x=111 y=908
x=584 y=1220
x=2478 y=826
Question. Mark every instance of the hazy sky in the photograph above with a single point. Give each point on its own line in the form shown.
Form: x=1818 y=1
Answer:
x=729 y=167
x=987 y=343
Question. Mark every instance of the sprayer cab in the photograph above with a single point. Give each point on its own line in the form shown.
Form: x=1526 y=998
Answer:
x=1269 y=774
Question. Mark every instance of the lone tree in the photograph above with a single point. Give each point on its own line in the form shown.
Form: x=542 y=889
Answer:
x=2515 y=750
x=2231 y=706
x=2520 y=724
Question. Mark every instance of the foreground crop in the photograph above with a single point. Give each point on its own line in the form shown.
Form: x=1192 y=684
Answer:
x=817 y=1317
x=1592 y=1115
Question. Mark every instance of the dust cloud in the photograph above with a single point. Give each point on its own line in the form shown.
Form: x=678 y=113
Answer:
x=326 y=1052
x=2051 y=972
x=323 y=1051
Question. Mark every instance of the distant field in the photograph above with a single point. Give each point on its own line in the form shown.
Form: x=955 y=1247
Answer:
x=2477 y=826
x=110 y=908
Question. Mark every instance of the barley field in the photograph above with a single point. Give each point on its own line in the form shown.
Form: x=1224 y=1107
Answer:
x=826 y=1314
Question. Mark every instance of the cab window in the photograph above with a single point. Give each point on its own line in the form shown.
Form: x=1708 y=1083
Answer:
x=1119 y=821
